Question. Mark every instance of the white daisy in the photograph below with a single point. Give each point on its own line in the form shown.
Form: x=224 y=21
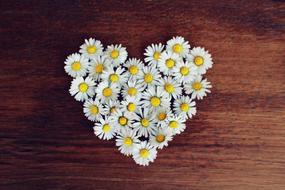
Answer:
x=107 y=91
x=198 y=88
x=167 y=62
x=130 y=105
x=126 y=141
x=201 y=59
x=116 y=54
x=144 y=153
x=175 y=124
x=91 y=48
x=76 y=65
x=134 y=68
x=104 y=129
x=171 y=87
x=154 y=99
x=82 y=88
x=149 y=76
x=153 y=53
x=111 y=107
x=184 y=106
x=178 y=46
x=97 y=66
x=162 y=114
x=161 y=138
x=93 y=109
x=115 y=76
x=143 y=122
x=120 y=120
x=184 y=72
x=133 y=89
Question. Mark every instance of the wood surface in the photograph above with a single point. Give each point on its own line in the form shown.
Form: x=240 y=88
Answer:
x=236 y=141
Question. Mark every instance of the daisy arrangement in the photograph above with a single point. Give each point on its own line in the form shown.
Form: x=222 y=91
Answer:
x=142 y=104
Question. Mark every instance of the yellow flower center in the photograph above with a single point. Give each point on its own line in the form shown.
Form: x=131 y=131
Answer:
x=91 y=49
x=148 y=77
x=170 y=63
x=123 y=121
x=177 y=48
x=160 y=138
x=112 y=109
x=184 y=70
x=131 y=107
x=106 y=128
x=115 y=54
x=94 y=109
x=197 y=86
x=155 y=101
x=133 y=69
x=161 y=116
x=107 y=92
x=128 y=141
x=83 y=87
x=198 y=60
x=76 y=66
x=173 y=124
x=144 y=153
x=132 y=91
x=169 y=88
x=156 y=55
x=114 y=77
x=99 y=68
x=184 y=107
x=145 y=122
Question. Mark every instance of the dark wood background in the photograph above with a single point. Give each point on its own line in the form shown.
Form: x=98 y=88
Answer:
x=236 y=142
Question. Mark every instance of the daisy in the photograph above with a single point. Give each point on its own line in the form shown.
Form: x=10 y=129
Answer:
x=161 y=138
x=149 y=76
x=97 y=66
x=200 y=58
x=198 y=88
x=144 y=153
x=107 y=91
x=184 y=72
x=120 y=120
x=132 y=88
x=104 y=130
x=175 y=124
x=76 y=65
x=184 y=106
x=167 y=62
x=162 y=114
x=130 y=105
x=93 y=109
x=143 y=123
x=91 y=48
x=154 y=99
x=116 y=54
x=134 y=68
x=115 y=76
x=153 y=53
x=111 y=107
x=126 y=141
x=171 y=87
x=178 y=46
x=82 y=88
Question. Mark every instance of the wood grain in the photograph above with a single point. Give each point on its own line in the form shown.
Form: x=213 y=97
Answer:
x=237 y=140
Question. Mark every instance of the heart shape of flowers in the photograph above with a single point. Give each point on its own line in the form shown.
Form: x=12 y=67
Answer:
x=140 y=104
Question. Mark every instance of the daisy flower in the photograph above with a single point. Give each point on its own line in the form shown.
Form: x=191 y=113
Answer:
x=130 y=105
x=104 y=130
x=153 y=53
x=149 y=76
x=115 y=76
x=198 y=88
x=120 y=120
x=76 y=65
x=161 y=138
x=107 y=91
x=162 y=114
x=134 y=68
x=97 y=66
x=175 y=124
x=132 y=88
x=91 y=48
x=93 y=109
x=111 y=107
x=144 y=153
x=82 y=88
x=184 y=72
x=201 y=59
x=116 y=54
x=167 y=62
x=171 y=87
x=143 y=123
x=178 y=46
x=184 y=106
x=154 y=99
x=126 y=141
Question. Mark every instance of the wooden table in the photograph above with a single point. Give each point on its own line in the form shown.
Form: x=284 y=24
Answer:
x=236 y=141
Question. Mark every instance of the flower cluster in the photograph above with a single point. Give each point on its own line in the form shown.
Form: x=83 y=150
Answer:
x=140 y=104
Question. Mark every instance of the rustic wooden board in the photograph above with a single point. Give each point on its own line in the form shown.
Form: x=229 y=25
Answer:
x=237 y=140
